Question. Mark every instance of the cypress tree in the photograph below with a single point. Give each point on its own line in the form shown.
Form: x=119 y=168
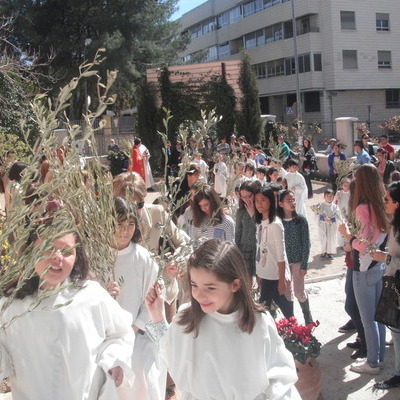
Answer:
x=249 y=121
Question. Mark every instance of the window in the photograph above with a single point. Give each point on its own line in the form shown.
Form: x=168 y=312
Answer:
x=250 y=41
x=290 y=66
x=278 y=34
x=267 y=3
x=224 y=50
x=382 y=22
x=393 y=98
x=384 y=59
x=317 y=62
x=312 y=102
x=212 y=53
x=235 y=14
x=348 y=20
x=223 y=19
x=304 y=63
x=305 y=25
x=249 y=8
x=269 y=34
x=288 y=29
x=259 y=70
x=275 y=68
x=349 y=59
x=264 y=105
x=260 y=38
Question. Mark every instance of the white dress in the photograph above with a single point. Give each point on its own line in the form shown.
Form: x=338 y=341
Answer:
x=296 y=182
x=65 y=353
x=225 y=363
x=138 y=271
x=221 y=178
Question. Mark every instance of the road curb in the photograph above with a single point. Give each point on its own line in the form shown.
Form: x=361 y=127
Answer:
x=325 y=278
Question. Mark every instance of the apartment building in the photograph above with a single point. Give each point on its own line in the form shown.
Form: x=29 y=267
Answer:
x=348 y=53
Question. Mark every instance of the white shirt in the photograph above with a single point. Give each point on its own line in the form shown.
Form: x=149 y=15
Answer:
x=61 y=353
x=271 y=249
x=225 y=363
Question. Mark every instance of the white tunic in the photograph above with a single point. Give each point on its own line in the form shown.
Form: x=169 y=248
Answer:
x=221 y=177
x=328 y=230
x=66 y=353
x=296 y=182
x=139 y=271
x=225 y=363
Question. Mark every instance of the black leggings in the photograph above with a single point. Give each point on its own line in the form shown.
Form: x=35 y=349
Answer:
x=269 y=293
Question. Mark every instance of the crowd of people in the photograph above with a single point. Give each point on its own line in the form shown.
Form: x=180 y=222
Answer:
x=237 y=218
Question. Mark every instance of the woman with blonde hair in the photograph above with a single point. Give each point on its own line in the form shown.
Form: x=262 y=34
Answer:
x=368 y=208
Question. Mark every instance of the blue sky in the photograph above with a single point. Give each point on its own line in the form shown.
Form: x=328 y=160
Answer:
x=185 y=6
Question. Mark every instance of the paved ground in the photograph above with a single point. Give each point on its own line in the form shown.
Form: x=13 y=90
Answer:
x=326 y=290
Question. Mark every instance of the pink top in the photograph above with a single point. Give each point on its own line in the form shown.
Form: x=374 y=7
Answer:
x=369 y=232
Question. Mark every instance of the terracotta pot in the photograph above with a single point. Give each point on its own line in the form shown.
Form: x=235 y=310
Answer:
x=309 y=383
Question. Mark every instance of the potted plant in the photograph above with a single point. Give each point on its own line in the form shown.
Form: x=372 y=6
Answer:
x=305 y=348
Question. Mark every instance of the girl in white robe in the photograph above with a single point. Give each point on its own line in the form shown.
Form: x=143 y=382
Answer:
x=220 y=176
x=136 y=271
x=223 y=346
x=77 y=343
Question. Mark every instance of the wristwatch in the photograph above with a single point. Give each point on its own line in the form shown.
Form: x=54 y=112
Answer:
x=388 y=258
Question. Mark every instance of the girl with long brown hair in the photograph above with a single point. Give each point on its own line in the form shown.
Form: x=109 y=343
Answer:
x=368 y=208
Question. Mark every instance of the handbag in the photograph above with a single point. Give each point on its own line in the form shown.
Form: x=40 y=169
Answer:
x=388 y=309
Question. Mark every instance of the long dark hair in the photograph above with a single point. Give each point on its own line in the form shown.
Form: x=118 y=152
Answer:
x=225 y=260
x=279 y=209
x=269 y=194
x=394 y=191
x=250 y=186
x=207 y=193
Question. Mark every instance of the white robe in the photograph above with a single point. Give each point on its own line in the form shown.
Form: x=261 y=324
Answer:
x=65 y=353
x=225 y=363
x=328 y=230
x=296 y=182
x=221 y=178
x=138 y=271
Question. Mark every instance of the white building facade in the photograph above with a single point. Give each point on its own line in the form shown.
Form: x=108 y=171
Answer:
x=348 y=53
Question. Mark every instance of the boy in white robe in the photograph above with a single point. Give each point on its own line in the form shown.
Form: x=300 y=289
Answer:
x=328 y=222
x=297 y=183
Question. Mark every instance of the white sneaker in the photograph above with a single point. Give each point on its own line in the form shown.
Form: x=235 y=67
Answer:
x=364 y=368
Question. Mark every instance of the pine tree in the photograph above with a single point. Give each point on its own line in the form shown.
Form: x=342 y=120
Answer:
x=249 y=121
x=137 y=34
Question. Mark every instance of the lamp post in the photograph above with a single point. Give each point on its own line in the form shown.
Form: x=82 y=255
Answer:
x=88 y=42
x=299 y=109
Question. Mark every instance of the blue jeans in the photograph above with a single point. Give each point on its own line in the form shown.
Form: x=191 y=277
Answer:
x=367 y=290
x=351 y=307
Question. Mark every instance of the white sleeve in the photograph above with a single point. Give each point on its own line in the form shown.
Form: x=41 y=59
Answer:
x=116 y=349
x=143 y=316
x=278 y=234
x=281 y=371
